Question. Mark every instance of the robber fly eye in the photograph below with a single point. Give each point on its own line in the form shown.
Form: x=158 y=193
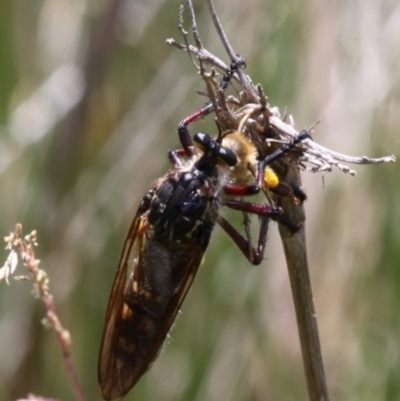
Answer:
x=227 y=156
x=212 y=146
x=203 y=140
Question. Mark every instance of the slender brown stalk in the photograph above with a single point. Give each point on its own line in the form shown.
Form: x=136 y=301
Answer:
x=24 y=249
x=295 y=249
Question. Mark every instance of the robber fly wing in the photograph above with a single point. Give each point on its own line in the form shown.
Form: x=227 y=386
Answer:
x=149 y=288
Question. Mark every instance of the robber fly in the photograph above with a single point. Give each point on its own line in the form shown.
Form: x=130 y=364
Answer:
x=167 y=240
x=164 y=248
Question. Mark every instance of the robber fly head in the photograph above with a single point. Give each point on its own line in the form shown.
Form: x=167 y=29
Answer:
x=213 y=154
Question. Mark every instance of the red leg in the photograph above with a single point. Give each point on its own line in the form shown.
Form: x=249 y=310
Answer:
x=254 y=208
x=255 y=256
x=274 y=213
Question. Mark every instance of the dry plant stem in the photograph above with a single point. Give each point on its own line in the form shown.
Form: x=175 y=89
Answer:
x=64 y=345
x=195 y=32
x=296 y=257
x=323 y=158
x=202 y=54
x=220 y=30
x=244 y=79
x=42 y=290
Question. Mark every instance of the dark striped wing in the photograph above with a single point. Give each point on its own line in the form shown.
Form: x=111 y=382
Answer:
x=150 y=285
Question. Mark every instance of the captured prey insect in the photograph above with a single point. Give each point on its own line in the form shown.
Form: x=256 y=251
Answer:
x=165 y=246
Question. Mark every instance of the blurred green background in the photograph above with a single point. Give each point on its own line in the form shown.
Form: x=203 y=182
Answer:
x=90 y=98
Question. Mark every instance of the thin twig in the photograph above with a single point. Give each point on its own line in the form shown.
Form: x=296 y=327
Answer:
x=321 y=156
x=195 y=32
x=203 y=54
x=244 y=79
x=185 y=35
x=24 y=248
x=220 y=30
